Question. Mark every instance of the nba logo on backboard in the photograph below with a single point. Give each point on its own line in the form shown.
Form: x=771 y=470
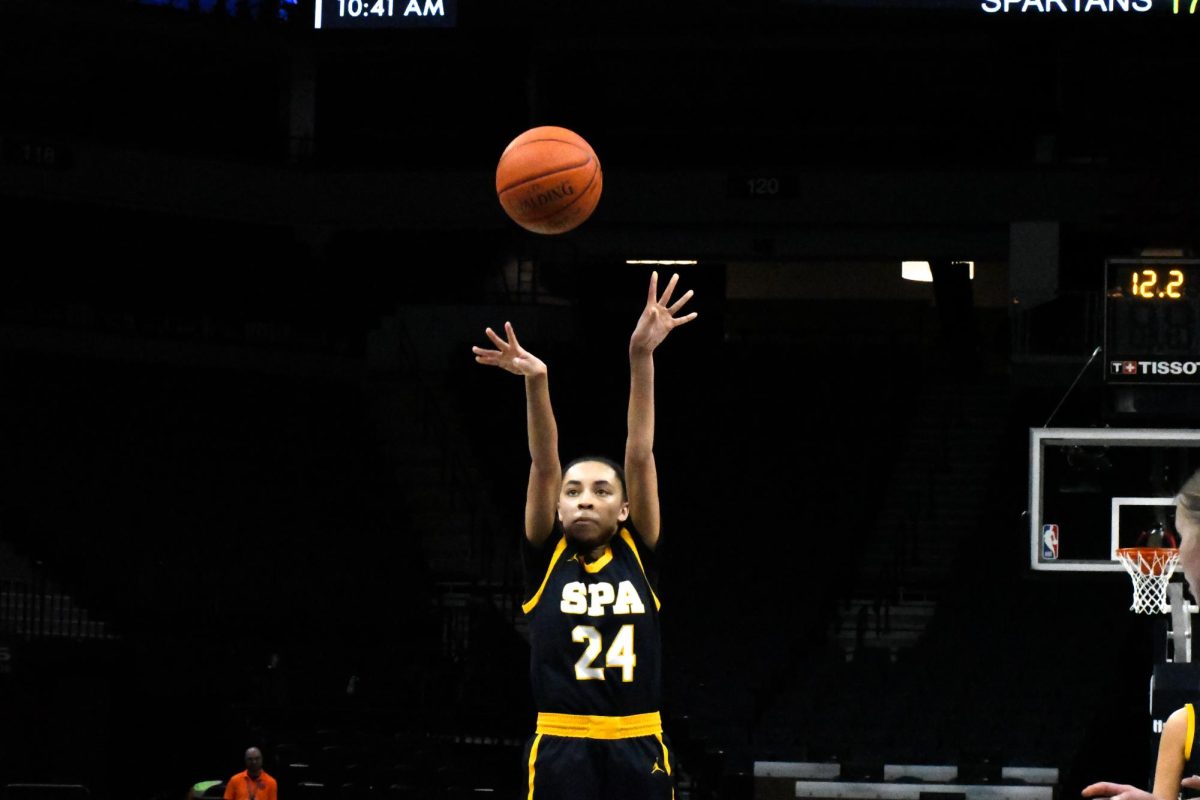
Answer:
x=1049 y=542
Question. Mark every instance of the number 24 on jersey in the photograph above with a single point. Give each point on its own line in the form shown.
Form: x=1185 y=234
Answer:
x=620 y=653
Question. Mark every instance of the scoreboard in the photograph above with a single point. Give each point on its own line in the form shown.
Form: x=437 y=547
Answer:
x=377 y=14
x=1152 y=321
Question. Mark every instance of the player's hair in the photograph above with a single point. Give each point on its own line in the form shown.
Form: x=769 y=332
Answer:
x=1188 y=498
x=617 y=468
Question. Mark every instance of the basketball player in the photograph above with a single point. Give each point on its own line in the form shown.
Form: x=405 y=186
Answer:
x=1177 y=753
x=591 y=579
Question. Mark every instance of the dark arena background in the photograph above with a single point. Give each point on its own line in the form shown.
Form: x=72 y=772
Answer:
x=255 y=491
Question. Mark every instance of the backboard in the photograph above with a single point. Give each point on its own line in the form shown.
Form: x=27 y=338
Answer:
x=1093 y=490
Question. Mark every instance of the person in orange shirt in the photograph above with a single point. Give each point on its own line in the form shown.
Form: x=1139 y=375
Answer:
x=252 y=783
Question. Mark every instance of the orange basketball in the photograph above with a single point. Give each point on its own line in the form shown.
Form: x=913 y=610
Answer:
x=549 y=180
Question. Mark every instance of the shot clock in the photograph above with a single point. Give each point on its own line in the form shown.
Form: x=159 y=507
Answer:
x=1152 y=321
x=368 y=14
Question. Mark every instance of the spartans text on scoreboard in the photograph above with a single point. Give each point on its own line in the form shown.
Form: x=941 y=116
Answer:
x=1069 y=6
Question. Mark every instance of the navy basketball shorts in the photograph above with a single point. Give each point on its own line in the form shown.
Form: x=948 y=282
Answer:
x=561 y=764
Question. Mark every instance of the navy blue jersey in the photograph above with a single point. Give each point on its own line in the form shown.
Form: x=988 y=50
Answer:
x=593 y=628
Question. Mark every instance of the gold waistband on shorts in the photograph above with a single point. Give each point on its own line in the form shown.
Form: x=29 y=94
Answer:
x=582 y=726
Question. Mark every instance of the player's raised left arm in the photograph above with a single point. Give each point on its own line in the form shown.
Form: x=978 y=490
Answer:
x=658 y=319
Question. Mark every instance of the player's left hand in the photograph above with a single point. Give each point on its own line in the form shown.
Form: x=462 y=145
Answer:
x=658 y=319
x=1191 y=783
x=1118 y=791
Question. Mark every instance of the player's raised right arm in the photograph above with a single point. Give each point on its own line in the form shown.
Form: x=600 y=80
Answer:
x=545 y=469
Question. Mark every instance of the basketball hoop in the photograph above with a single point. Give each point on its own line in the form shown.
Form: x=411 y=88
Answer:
x=1151 y=569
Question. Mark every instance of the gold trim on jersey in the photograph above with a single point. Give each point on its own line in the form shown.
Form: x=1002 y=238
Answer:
x=1191 y=732
x=558 y=550
x=666 y=757
x=624 y=534
x=583 y=726
x=600 y=563
x=532 y=759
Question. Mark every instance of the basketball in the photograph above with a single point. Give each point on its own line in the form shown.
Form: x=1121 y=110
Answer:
x=549 y=180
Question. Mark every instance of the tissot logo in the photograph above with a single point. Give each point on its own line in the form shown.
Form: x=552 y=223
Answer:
x=1188 y=368
x=1065 y=6
x=1170 y=367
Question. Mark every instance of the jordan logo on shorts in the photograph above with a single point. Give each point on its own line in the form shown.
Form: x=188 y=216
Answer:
x=656 y=768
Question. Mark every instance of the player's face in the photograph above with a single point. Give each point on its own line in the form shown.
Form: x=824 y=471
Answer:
x=591 y=504
x=1189 y=549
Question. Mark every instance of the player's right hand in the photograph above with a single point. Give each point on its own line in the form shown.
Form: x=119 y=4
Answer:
x=1117 y=791
x=509 y=355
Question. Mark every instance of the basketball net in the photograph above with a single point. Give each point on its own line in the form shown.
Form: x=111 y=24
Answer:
x=1150 y=569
